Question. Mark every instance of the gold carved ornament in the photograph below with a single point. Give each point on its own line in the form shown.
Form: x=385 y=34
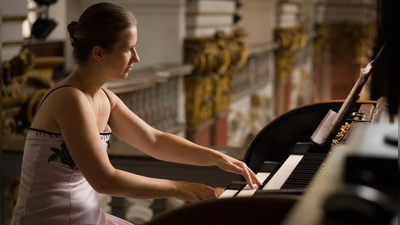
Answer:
x=194 y=55
x=199 y=99
x=208 y=55
x=23 y=88
x=352 y=42
x=319 y=42
x=211 y=53
x=290 y=40
x=239 y=50
x=216 y=54
x=223 y=55
x=222 y=91
x=215 y=60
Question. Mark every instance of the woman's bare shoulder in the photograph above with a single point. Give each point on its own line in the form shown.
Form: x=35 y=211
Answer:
x=58 y=101
x=112 y=97
x=63 y=93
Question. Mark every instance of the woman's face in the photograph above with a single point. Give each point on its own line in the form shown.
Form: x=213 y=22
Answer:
x=119 y=60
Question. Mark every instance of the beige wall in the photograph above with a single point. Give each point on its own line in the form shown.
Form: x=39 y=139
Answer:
x=258 y=20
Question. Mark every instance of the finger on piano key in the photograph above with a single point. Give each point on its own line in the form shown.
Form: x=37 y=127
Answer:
x=236 y=187
x=266 y=169
x=283 y=173
x=233 y=189
x=247 y=191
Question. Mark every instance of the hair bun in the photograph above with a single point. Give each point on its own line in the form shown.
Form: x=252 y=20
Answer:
x=71 y=27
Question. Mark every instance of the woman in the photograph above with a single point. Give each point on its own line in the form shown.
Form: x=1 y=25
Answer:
x=65 y=157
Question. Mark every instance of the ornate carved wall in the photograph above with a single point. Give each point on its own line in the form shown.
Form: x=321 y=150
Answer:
x=349 y=42
x=23 y=87
x=292 y=58
x=215 y=60
x=344 y=42
x=252 y=102
x=217 y=50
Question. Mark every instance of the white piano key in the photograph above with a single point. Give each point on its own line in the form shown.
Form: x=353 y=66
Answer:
x=283 y=173
x=262 y=176
x=229 y=193
x=247 y=191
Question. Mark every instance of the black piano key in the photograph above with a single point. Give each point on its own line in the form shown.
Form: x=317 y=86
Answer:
x=300 y=177
x=300 y=148
x=304 y=172
x=296 y=191
x=236 y=185
x=267 y=180
x=297 y=181
x=269 y=166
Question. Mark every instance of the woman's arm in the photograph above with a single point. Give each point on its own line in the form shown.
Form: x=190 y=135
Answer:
x=168 y=147
x=77 y=122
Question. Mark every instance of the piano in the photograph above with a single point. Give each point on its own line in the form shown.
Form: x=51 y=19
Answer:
x=358 y=183
x=299 y=141
x=292 y=160
x=291 y=153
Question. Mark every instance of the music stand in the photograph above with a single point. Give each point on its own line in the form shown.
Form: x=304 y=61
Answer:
x=331 y=124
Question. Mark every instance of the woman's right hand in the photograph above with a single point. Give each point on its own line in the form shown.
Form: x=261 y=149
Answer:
x=194 y=192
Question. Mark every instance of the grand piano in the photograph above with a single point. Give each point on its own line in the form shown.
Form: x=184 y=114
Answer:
x=306 y=152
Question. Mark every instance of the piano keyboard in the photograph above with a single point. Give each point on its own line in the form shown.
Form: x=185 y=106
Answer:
x=240 y=188
x=295 y=173
x=305 y=171
x=283 y=173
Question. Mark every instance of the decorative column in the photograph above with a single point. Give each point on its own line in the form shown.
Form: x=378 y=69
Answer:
x=253 y=99
x=345 y=39
x=208 y=89
x=216 y=50
x=290 y=36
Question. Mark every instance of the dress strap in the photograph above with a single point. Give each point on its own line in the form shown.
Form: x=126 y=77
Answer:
x=44 y=98
x=106 y=94
x=67 y=85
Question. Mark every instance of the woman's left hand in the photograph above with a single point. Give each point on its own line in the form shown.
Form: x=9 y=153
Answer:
x=233 y=165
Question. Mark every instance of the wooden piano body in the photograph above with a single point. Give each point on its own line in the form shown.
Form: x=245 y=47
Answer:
x=272 y=147
x=275 y=142
x=341 y=190
x=300 y=143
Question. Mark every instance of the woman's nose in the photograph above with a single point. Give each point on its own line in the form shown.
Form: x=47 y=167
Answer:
x=136 y=58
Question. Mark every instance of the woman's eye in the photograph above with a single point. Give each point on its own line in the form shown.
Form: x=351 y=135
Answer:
x=131 y=49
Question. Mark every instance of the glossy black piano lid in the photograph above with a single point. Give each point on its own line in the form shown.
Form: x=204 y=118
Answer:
x=274 y=141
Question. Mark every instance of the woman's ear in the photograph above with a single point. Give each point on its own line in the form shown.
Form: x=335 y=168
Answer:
x=98 y=53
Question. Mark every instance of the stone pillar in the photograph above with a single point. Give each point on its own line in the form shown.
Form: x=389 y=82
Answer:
x=291 y=37
x=345 y=36
x=200 y=134
x=219 y=131
x=217 y=50
x=256 y=80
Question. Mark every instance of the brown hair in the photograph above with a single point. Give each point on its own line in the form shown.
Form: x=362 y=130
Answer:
x=99 y=25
